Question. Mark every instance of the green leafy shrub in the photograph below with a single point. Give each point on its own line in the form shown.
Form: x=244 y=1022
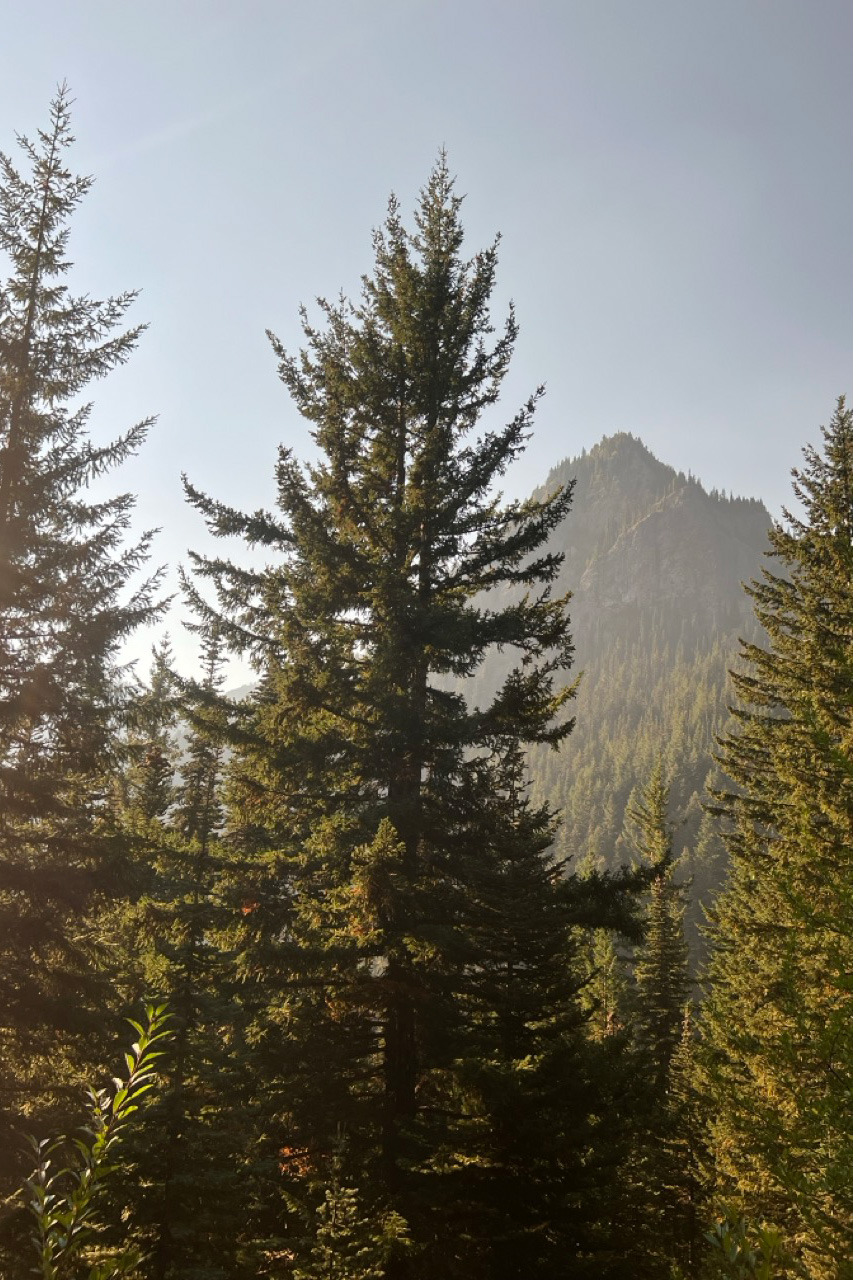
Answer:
x=65 y=1188
x=743 y=1252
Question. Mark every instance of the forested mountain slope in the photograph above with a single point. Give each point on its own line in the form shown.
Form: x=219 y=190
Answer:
x=656 y=565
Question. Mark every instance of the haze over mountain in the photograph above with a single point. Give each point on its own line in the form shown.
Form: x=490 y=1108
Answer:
x=656 y=565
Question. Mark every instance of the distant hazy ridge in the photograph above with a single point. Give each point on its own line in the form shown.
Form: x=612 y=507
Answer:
x=655 y=564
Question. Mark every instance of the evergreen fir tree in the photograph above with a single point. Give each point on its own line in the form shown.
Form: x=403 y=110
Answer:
x=606 y=990
x=683 y=1187
x=66 y=606
x=604 y=966
x=660 y=1187
x=660 y=966
x=146 y=782
x=777 y=1041
x=347 y=1244
x=400 y=921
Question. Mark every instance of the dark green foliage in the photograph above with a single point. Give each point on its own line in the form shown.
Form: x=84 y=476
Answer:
x=146 y=782
x=65 y=609
x=406 y=948
x=531 y=1166
x=777 y=1047
x=684 y=1190
x=658 y=1181
x=349 y=1244
x=189 y=1210
x=660 y=965
x=605 y=993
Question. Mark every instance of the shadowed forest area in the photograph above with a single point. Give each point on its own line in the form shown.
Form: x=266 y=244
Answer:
x=503 y=927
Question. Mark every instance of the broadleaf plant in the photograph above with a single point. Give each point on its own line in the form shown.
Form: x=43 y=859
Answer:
x=64 y=1192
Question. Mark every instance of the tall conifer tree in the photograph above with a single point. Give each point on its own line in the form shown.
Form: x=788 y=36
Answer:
x=778 y=1046
x=660 y=1181
x=398 y=909
x=146 y=783
x=660 y=968
x=66 y=606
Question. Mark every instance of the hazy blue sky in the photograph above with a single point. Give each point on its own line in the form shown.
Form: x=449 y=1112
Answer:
x=672 y=181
